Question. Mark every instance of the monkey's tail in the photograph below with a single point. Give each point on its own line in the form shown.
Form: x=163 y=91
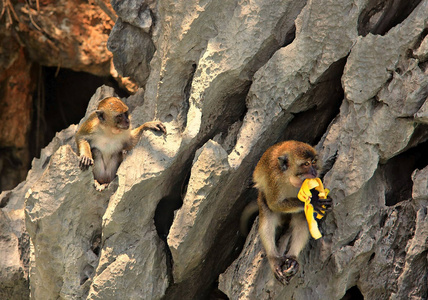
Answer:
x=247 y=217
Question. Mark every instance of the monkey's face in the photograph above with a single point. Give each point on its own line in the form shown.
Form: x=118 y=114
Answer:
x=304 y=169
x=299 y=167
x=116 y=122
x=122 y=120
x=113 y=113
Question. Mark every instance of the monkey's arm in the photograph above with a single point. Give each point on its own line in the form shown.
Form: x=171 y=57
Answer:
x=84 y=151
x=82 y=140
x=137 y=132
x=288 y=205
x=154 y=125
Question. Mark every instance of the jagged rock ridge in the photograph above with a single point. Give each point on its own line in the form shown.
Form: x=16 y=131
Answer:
x=230 y=79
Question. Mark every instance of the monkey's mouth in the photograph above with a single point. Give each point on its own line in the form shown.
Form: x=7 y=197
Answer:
x=304 y=176
x=121 y=126
x=307 y=176
x=299 y=178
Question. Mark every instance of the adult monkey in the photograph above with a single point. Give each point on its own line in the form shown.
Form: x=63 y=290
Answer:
x=278 y=177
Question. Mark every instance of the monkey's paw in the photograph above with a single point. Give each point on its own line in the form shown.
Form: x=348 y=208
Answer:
x=285 y=268
x=157 y=125
x=320 y=205
x=85 y=162
x=100 y=186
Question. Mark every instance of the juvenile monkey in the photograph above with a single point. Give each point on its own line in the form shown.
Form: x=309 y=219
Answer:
x=278 y=177
x=103 y=137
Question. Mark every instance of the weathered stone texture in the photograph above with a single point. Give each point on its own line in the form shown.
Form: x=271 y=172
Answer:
x=198 y=212
x=66 y=34
x=229 y=79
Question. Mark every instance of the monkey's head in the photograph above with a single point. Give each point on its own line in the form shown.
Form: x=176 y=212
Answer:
x=297 y=161
x=114 y=113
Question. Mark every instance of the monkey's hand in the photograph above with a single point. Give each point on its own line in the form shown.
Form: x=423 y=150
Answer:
x=155 y=125
x=321 y=206
x=285 y=268
x=85 y=162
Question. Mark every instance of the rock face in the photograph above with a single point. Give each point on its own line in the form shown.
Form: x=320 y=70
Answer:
x=229 y=79
x=35 y=35
x=16 y=87
x=67 y=29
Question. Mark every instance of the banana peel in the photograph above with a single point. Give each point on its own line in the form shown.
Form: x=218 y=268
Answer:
x=305 y=196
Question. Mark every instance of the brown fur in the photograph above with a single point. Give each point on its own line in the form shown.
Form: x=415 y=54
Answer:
x=278 y=177
x=103 y=137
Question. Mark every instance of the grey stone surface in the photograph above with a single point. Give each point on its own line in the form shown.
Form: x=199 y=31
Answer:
x=193 y=222
x=229 y=79
x=128 y=42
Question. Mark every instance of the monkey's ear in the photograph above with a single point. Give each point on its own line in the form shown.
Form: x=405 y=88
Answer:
x=100 y=115
x=283 y=162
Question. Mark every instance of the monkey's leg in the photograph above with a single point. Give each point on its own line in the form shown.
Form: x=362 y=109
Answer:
x=268 y=223
x=284 y=240
x=281 y=265
x=101 y=173
x=299 y=239
x=299 y=234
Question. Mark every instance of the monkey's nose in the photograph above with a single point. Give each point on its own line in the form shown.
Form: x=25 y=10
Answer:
x=123 y=125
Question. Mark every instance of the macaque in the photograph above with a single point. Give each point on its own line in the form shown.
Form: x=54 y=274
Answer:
x=102 y=139
x=278 y=177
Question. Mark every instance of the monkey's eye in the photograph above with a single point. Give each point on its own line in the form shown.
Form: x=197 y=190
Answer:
x=307 y=164
x=283 y=162
x=314 y=161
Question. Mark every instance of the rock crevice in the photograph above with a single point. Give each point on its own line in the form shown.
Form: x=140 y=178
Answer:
x=229 y=80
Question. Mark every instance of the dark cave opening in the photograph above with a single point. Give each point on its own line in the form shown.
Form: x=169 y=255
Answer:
x=398 y=173
x=353 y=293
x=380 y=16
x=164 y=213
x=310 y=125
x=61 y=99
x=165 y=210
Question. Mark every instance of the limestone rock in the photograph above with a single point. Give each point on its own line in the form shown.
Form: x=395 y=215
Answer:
x=136 y=13
x=65 y=29
x=229 y=80
x=127 y=42
x=419 y=190
x=193 y=222
x=14 y=246
x=366 y=126
x=15 y=238
x=68 y=226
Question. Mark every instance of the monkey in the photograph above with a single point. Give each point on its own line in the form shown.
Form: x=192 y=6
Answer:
x=278 y=177
x=102 y=139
